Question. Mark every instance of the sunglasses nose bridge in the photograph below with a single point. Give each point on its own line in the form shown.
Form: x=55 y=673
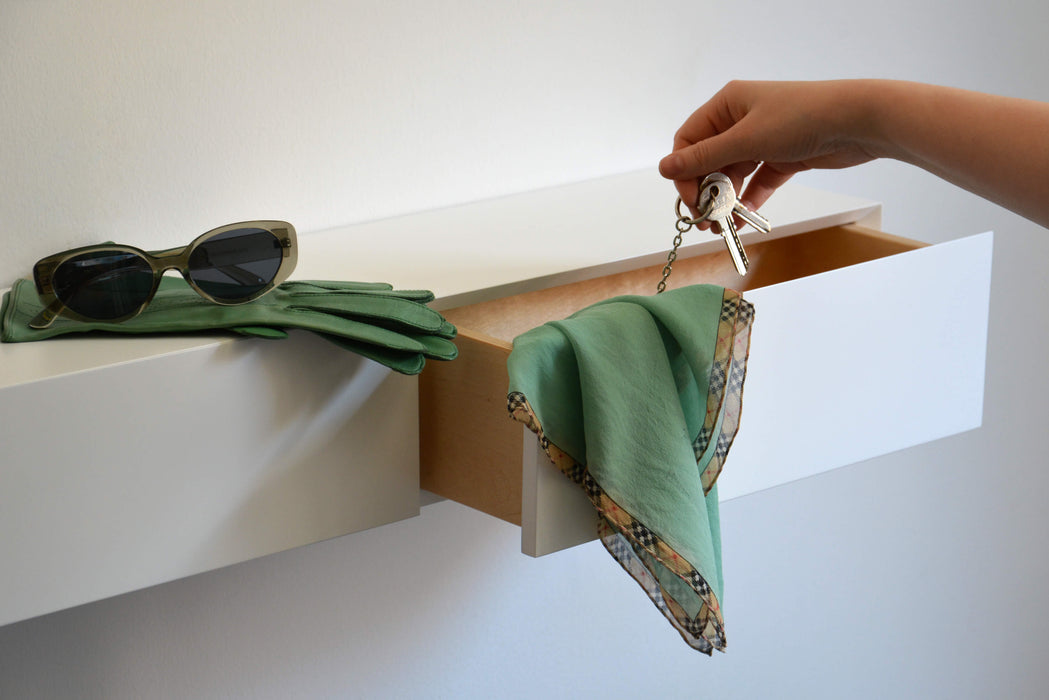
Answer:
x=172 y=259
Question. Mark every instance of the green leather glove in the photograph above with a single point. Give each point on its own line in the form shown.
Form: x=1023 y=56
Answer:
x=390 y=326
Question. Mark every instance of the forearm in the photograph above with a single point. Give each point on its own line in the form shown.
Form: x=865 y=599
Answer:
x=996 y=147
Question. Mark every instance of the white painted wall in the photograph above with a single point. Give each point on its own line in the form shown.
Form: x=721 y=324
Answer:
x=919 y=574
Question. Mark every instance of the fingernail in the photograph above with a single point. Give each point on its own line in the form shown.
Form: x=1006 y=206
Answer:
x=670 y=165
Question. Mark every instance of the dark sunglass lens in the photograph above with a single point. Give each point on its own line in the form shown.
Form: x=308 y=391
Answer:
x=236 y=265
x=103 y=284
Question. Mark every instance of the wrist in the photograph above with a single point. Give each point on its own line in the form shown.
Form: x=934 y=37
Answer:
x=867 y=116
x=900 y=115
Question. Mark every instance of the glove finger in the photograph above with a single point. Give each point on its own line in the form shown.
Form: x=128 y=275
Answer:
x=397 y=360
x=438 y=348
x=351 y=329
x=447 y=330
x=422 y=296
x=261 y=331
x=180 y=313
x=391 y=312
x=379 y=289
x=6 y=315
x=334 y=286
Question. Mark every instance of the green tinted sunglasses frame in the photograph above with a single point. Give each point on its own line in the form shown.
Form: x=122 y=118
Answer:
x=161 y=261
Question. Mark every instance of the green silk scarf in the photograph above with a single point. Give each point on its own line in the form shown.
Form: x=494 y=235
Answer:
x=637 y=399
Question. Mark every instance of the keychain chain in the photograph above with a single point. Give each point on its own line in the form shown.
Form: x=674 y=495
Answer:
x=683 y=224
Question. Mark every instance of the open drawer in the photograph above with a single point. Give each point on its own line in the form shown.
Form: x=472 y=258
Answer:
x=863 y=343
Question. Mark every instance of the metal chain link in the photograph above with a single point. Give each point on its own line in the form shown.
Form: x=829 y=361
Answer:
x=683 y=224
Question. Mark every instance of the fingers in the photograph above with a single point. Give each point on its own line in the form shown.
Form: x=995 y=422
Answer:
x=709 y=155
x=713 y=139
x=692 y=164
x=688 y=190
x=733 y=133
x=767 y=179
x=768 y=131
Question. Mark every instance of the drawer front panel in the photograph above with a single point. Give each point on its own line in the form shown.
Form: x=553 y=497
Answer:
x=845 y=365
x=863 y=361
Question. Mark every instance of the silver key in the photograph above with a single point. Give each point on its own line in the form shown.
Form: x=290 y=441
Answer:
x=753 y=218
x=717 y=201
x=716 y=192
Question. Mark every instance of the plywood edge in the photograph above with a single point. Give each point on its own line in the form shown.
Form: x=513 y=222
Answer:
x=886 y=238
x=470 y=448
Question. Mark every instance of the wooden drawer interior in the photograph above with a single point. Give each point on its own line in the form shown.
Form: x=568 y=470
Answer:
x=471 y=451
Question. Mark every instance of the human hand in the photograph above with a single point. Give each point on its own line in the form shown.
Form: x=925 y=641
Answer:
x=773 y=130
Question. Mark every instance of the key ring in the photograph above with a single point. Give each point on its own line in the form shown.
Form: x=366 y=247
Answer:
x=683 y=224
x=683 y=219
x=722 y=206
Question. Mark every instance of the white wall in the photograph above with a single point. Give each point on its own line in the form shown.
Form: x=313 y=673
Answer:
x=919 y=574
x=151 y=124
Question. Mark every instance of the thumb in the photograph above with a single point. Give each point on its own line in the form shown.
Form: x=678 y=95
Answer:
x=704 y=157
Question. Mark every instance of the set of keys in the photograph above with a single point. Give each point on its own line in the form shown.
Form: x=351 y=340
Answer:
x=717 y=204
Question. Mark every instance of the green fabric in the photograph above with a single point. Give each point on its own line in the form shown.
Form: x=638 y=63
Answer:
x=393 y=327
x=623 y=387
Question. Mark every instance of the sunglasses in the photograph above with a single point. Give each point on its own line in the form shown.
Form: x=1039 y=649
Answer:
x=232 y=264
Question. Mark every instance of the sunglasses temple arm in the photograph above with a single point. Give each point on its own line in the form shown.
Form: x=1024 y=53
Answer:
x=46 y=317
x=241 y=276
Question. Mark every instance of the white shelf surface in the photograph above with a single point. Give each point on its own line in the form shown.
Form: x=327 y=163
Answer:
x=477 y=251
